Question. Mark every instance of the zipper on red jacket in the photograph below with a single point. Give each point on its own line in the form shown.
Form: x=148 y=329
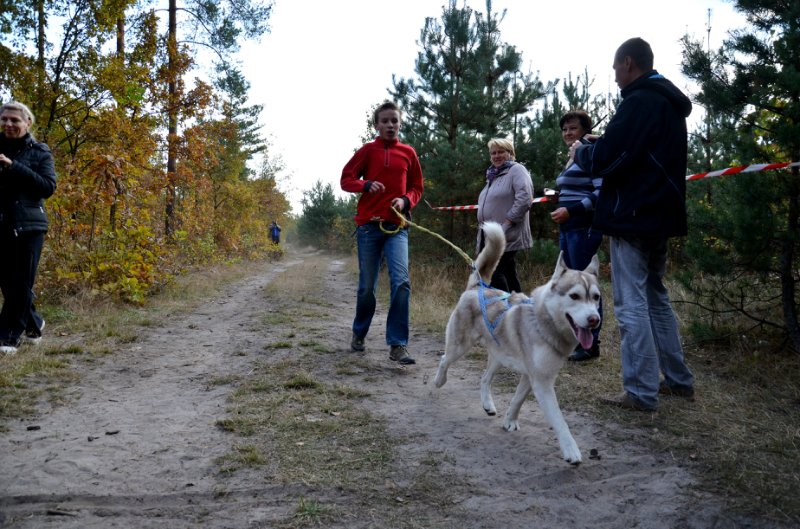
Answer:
x=386 y=156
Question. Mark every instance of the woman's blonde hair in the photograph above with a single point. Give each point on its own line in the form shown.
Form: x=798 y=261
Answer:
x=19 y=107
x=502 y=143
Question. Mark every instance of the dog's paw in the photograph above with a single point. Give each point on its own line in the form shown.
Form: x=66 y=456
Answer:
x=490 y=411
x=511 y=426
x=440 y=378
x=571 y=454
x=573 y=459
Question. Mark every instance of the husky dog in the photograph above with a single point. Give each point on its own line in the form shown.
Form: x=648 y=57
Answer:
x=531 y=335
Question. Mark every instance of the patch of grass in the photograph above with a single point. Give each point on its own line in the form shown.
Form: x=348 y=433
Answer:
x=278 y=345
x=311 y=512
x=224 y=380
x=276 y=318
x=318 y=428
x=29 y=376
x=303 y=381
x=242 y=456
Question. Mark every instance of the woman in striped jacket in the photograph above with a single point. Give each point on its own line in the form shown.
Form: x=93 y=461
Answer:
x=578 y=192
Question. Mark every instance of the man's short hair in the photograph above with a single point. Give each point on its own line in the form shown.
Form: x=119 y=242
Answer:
x=387 y=105
x=638 y=50
x=582 y=117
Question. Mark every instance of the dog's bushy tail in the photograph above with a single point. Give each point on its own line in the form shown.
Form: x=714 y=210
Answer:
x=494 y=239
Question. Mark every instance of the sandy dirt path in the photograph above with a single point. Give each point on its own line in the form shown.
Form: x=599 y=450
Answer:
x=136 y=443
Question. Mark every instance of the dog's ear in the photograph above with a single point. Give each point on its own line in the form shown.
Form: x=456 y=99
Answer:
x=561 y=266
x=594 y=267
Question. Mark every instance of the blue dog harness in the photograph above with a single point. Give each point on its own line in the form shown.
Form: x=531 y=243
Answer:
x=485 y=302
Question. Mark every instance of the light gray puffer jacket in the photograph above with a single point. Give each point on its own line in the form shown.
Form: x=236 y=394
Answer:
x=509 y=197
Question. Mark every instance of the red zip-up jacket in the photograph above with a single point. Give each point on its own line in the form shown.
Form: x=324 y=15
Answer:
x=396 y=166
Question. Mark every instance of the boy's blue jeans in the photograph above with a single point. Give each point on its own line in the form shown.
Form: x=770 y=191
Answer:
x=649 y=337
x=579 y=246
x=373 y=245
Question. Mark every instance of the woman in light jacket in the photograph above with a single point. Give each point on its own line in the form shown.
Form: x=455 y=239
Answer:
x=506 y=199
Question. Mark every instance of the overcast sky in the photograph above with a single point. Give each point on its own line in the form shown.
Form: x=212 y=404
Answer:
x=326 y=62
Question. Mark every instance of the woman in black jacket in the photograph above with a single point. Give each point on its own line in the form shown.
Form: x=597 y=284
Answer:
x=27 y=177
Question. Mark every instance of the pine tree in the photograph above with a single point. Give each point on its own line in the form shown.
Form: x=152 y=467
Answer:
x=469 y=88
x=751 y=236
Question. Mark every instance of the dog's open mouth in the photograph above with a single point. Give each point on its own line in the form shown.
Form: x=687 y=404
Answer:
x=583 y=335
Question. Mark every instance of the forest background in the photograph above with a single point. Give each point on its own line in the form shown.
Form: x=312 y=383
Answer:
x=156 y=168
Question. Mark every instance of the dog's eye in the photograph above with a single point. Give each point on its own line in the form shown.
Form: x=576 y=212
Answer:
x=574 y=296
x=597 y=297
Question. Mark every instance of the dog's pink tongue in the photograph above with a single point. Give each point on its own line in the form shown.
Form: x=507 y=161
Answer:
x=585 y=338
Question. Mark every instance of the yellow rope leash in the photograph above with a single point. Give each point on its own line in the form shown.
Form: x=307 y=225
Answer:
x=405 y=221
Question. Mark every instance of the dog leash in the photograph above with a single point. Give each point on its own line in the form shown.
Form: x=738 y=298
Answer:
x=462 y=253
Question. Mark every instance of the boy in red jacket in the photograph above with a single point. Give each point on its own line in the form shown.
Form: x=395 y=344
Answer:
x=387 y=173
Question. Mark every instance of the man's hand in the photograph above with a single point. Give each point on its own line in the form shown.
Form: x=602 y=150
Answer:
x=560 y=215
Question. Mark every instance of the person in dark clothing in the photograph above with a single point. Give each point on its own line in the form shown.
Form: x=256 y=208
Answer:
x=578 y=192
x=275 y=232
x=27 y=177
x=642 y=160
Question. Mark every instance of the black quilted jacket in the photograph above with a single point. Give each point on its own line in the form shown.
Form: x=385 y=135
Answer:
x=25 y=184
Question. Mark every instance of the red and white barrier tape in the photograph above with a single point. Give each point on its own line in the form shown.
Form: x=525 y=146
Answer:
x=752 y=168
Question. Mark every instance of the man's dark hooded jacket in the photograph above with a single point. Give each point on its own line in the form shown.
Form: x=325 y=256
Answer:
x=642 y=159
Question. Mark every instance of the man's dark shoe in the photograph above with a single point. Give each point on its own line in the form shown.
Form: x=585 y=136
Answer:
x=399 y=353
x=685 y=392
x=581 y=355
x=626 y=402
x=357 y=343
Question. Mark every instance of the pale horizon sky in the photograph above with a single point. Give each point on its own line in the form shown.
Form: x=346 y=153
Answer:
x=324 y=64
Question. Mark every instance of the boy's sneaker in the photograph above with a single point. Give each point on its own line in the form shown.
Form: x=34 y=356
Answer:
x=9 y=347
x=357 y=343
x=34 y=336
x=399 y=353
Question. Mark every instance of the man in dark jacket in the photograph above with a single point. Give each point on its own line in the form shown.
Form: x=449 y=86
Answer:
x=642 y=160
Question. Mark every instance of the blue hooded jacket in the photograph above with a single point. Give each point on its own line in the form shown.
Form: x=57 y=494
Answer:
x=642 y=160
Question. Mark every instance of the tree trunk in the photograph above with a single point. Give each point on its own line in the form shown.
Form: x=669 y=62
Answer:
x=172 y=116
x=41 y=78
x=787 y=260
x=121 y=37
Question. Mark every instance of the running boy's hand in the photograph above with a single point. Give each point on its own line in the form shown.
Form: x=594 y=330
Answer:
x=376 y=187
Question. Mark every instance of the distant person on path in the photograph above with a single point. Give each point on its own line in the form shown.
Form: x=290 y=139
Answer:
x=506 y=199
x=387 y=173
x=27 y=177
x=642 y=160
x=275 y=232
x=578 y=192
